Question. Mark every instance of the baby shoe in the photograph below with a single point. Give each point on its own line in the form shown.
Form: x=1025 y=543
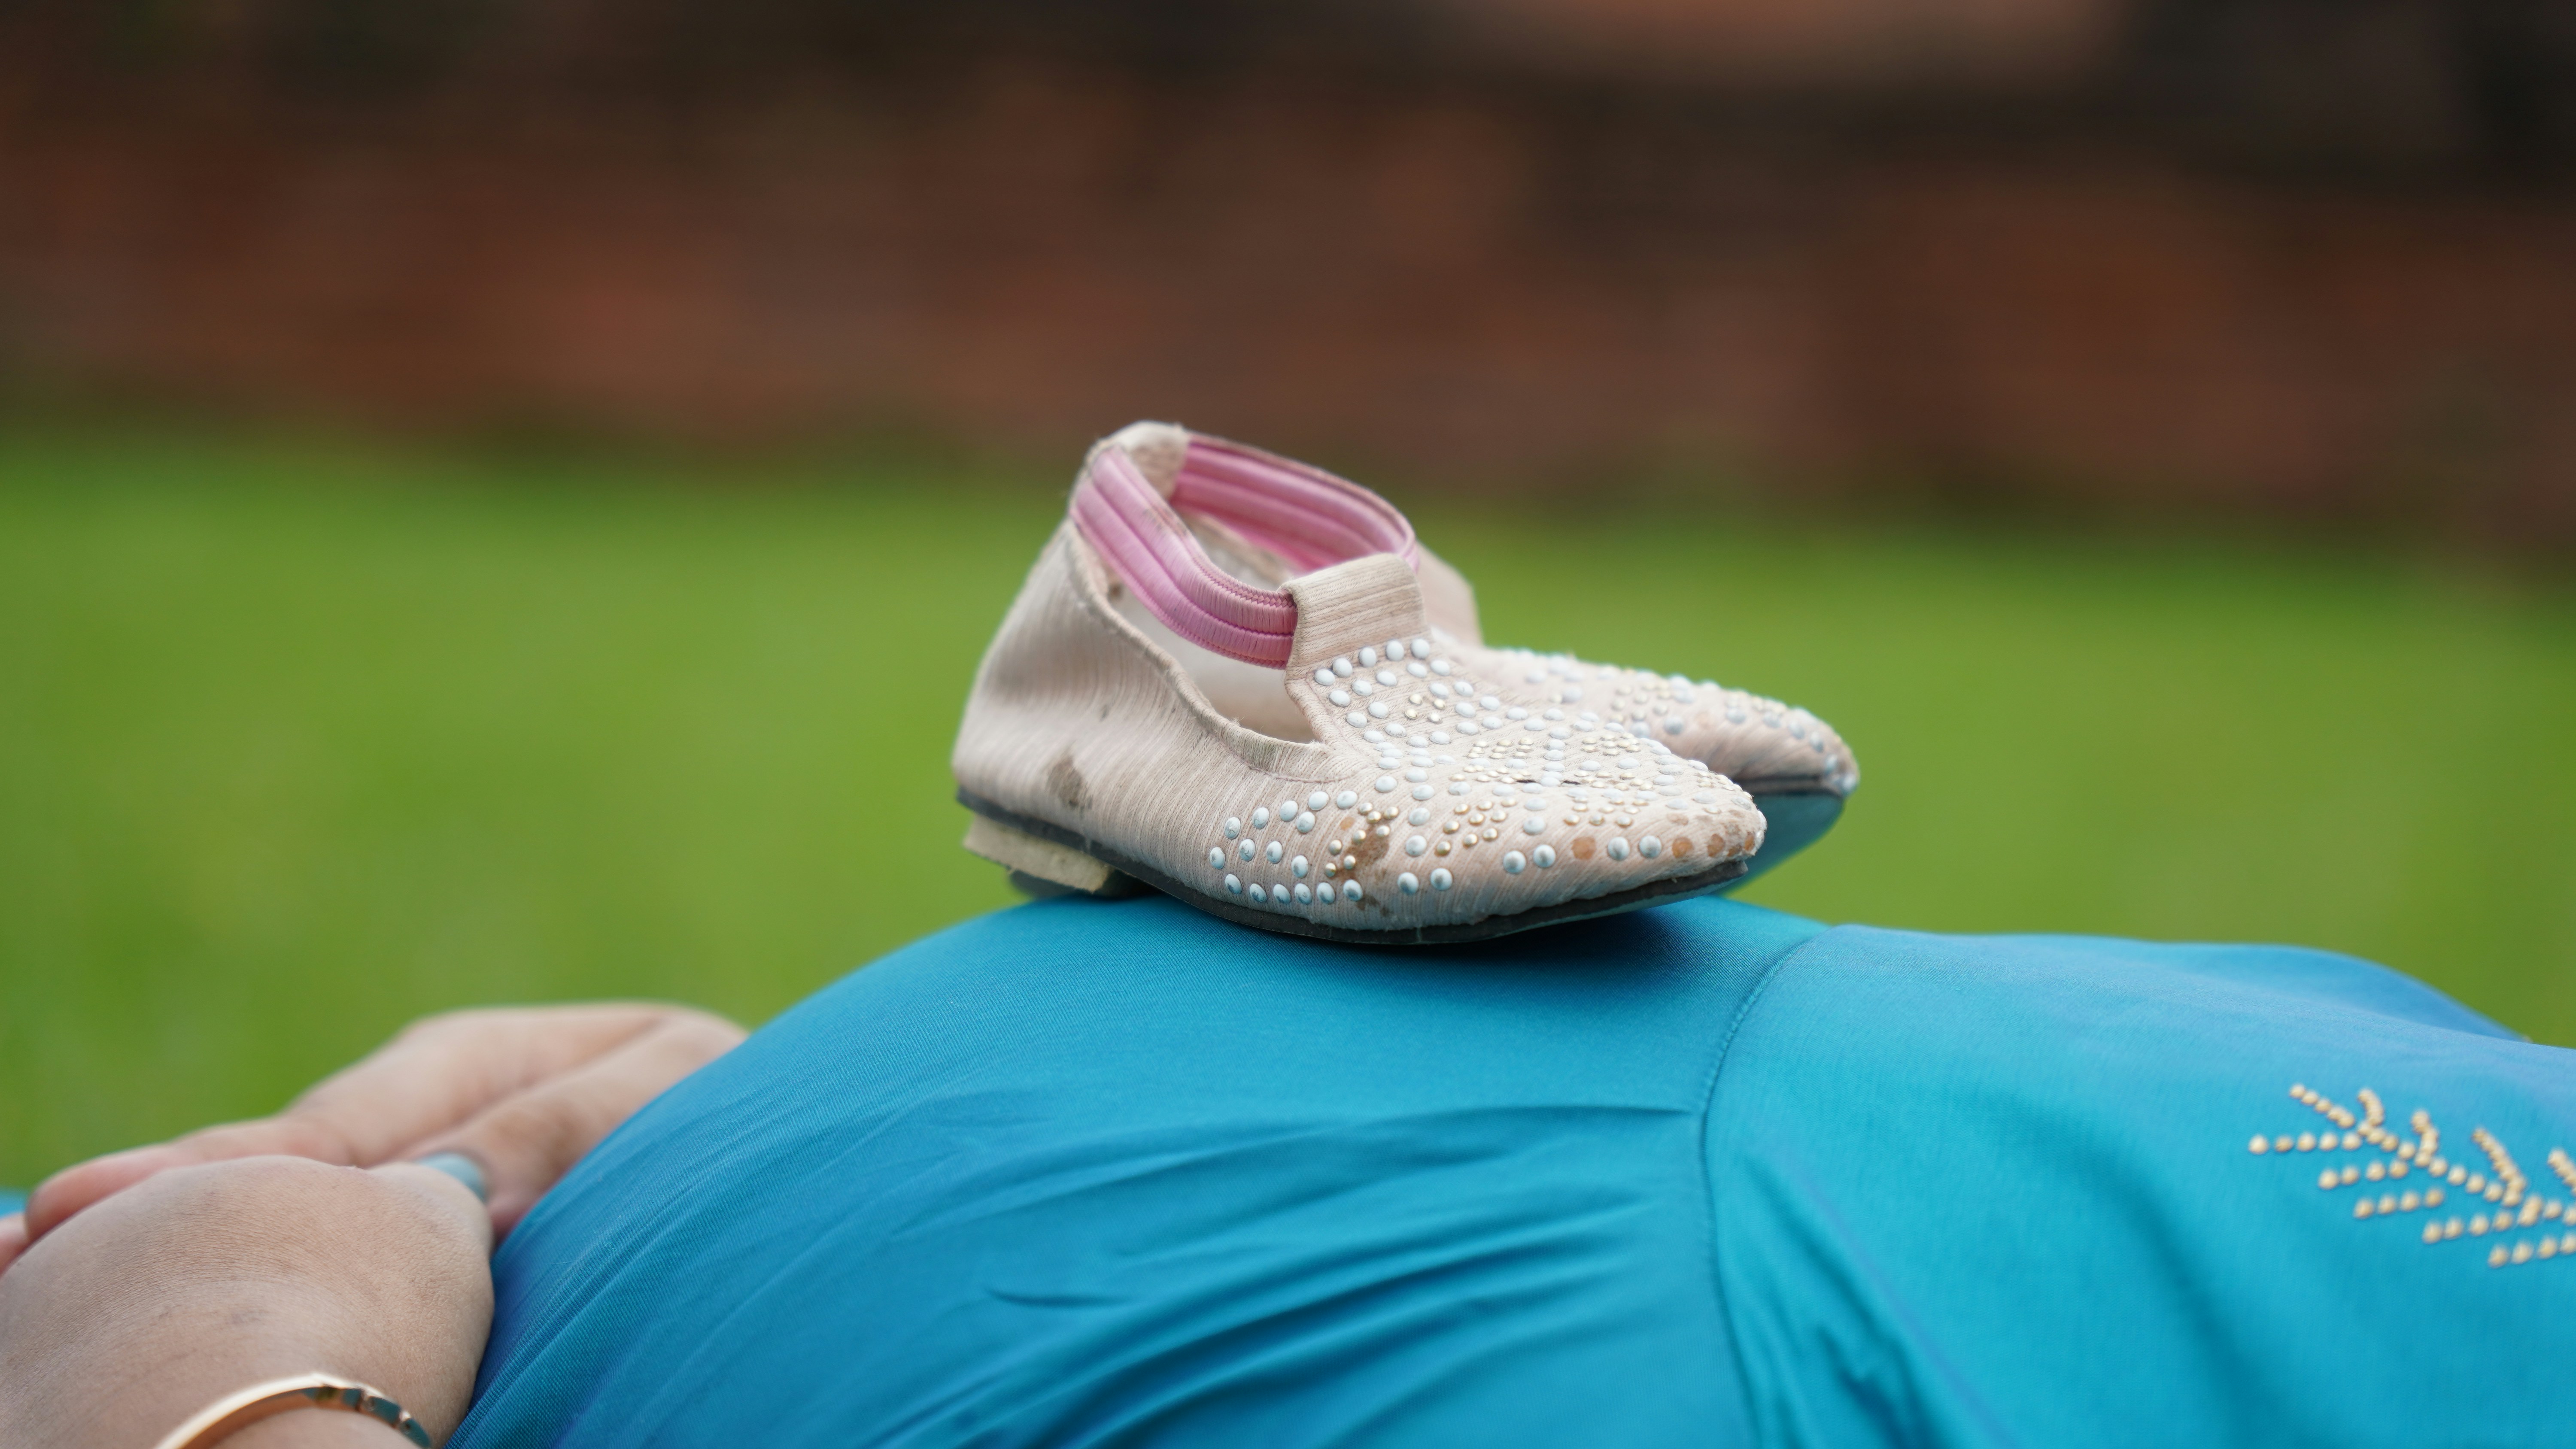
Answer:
x=1796 y=767
x=1303 y=757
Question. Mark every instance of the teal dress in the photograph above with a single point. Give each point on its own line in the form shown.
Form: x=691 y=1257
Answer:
x=1087 y=1174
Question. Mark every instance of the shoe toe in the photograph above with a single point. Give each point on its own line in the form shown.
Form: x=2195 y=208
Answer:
x=1766 y=744
x=1469 y=840
x=1746 y=737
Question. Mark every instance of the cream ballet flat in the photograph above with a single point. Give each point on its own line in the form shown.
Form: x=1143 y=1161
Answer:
x=1311 y=757
x=1795 y=766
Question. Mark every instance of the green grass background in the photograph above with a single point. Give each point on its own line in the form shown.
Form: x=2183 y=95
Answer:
x=300 y=740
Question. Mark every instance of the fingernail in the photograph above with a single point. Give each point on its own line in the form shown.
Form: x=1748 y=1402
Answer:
x=461 y=1167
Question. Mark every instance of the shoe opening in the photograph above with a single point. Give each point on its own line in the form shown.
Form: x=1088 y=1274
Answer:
x=1252 y=695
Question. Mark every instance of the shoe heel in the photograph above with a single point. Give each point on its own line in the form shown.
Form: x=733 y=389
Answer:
x=1043 y=868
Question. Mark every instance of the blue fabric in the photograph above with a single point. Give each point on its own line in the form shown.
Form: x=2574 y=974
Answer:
x=1084 y=1173
x=11 y=1201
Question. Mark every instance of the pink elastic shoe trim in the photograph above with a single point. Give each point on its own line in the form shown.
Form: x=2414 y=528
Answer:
x=1304 y=515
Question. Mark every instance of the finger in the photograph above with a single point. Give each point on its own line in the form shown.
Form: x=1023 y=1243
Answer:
x=13 y=1239
x=441 y=1071
x=528 y=1142
x=435 y=1074
x=453 y=1197
x=84 y=1184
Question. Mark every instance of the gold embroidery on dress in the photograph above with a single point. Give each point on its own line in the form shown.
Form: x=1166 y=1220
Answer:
x=2389 y=1159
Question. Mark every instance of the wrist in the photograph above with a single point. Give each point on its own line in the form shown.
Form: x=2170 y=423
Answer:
x=311 y=1430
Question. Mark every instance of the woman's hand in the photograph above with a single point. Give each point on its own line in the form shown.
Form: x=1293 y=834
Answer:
x=147 y=1283
x=523 y=1091
x=203 y=1280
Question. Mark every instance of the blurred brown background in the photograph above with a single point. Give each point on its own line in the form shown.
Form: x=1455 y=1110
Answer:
x=2146 y=428
x=2303 y=259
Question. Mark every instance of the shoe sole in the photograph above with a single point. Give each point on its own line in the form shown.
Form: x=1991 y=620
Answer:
x=1041 y=854
x=1792 y=820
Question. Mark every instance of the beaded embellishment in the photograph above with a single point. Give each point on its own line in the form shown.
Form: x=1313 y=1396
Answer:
x=2392 y=1175
x=1436 y=808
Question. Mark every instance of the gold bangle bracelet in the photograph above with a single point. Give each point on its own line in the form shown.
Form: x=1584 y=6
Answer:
x=279 y=1396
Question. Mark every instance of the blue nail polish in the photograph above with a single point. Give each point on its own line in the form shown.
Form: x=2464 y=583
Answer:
x=461 y=1167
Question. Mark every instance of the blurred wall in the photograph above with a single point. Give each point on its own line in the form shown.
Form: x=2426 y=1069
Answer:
x=2310 y=259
